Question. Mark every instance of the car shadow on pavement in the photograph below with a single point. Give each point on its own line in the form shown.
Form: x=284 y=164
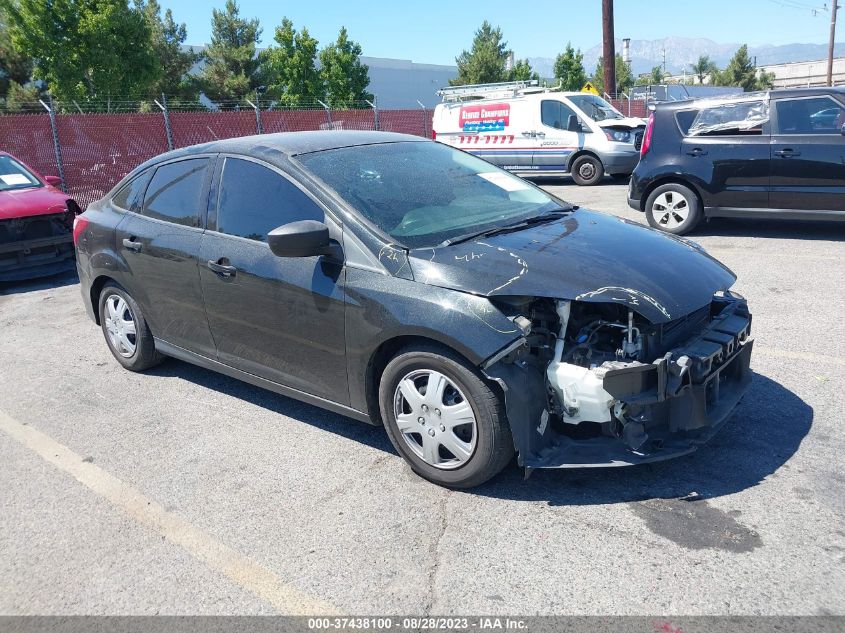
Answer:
x=372 y=436
x=764 y=432
x=66 y=278
x=772 y=229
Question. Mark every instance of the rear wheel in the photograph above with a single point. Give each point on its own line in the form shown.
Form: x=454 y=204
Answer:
x=125 y=329
x=441 y=416
x=587 y=170
x=673 y=208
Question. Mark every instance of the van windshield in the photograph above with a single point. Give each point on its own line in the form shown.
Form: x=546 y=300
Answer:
x=424 y=194
x=595 y=107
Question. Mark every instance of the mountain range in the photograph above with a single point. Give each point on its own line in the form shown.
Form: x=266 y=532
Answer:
x=681 y=52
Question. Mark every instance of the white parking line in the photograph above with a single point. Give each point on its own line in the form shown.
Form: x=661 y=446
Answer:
x=243 y=571
x=811 y=356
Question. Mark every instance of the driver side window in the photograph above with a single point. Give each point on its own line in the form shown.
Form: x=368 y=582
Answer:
x=254 y=200
x=556 y=114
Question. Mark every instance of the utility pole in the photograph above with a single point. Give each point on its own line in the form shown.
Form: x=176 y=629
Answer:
x=609 y=47
x=833 y=9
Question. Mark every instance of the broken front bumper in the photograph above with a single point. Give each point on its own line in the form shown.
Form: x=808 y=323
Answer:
x=680 y=401
x=35 y=247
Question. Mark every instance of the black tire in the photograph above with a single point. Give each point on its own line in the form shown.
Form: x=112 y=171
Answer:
x=493 y=441
x=673 y=208
x=587 y=170
x=144 y=354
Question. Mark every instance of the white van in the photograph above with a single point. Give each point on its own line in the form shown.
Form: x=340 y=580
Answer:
x=537 y=131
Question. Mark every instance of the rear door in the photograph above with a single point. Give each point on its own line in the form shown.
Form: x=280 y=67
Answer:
x=159 y=243
x=727 y=151
x=281 y=318
x=554 y=142
x=808 y=154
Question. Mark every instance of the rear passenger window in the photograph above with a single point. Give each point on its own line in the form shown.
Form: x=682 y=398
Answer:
x=174 y=192
x=254 y=200
x=131 y=195
x=820 y=115
x=556 y=114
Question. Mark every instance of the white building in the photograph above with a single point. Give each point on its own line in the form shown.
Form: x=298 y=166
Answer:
x=804 y=74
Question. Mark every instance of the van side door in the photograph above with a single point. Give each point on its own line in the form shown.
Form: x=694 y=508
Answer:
x=558 y=135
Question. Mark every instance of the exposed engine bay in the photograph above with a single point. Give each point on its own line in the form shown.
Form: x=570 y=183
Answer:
x=603 y=373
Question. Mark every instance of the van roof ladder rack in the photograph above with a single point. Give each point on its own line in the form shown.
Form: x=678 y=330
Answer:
x=501 y=90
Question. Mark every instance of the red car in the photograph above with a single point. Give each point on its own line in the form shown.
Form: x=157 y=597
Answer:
x=36 y=223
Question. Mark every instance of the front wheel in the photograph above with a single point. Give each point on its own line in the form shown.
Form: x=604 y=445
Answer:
x=441 y=416
x=587 y=170
x=673 y=208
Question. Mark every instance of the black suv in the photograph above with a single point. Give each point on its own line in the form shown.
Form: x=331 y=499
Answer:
x=778 y=154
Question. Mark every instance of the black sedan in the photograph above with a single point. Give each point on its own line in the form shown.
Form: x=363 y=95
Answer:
x=405 y=283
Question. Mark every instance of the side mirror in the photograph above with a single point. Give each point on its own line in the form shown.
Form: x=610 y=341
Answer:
x=572 y=124
x=305 y=238
x=55 y=181
x=842 y=130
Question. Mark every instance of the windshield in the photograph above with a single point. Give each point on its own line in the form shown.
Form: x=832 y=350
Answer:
x=595 y=107
x=13 y=175
x=422 y=194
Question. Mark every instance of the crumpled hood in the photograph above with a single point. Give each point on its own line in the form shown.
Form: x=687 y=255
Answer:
x=626 y=122
x=22 y=203
x=585 y=256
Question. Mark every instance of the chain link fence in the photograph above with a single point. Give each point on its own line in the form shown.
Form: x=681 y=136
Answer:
x=92 y=146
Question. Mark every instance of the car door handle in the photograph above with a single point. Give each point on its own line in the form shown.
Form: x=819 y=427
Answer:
x=697 y=151
x=787 y=152
x=132 y=245
x=224 y=270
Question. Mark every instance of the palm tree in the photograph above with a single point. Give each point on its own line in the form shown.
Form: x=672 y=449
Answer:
x=703 y=68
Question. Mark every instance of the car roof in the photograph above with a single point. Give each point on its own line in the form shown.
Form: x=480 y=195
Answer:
x=294 y=143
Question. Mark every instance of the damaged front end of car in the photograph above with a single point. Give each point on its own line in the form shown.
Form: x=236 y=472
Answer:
x=37 y=245
x=593 y=384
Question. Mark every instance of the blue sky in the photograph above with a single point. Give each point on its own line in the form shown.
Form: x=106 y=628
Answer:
x=436 y=31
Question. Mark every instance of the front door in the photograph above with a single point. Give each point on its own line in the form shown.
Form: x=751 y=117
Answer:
x=808 y=154
x=555 y=142
x=159 y=242
x=278 y=318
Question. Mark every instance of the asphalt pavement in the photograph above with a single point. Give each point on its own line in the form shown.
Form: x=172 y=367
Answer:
x=181 y=491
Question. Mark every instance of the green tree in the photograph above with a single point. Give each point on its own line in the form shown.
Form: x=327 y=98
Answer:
x=522 y=71
x=289 y=69
x=18 y=97
x=15 y=66
x=569 y=68
x=485 y=61
x=740 y=71
x=344 y=76
x=704 y=68
x=167 y=39
x=624 y=77
x=654 y=78
x=230 y=71
x=84 y=49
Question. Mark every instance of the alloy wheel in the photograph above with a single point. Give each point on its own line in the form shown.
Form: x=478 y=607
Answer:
x=435 y=419
x=670 y=209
